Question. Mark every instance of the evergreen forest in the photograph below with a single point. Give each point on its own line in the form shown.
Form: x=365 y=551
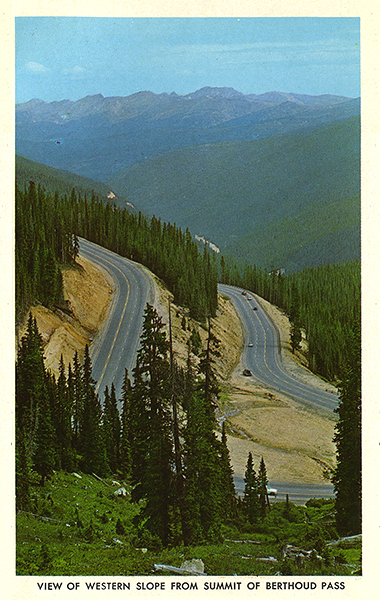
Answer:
x=323 y=301
x=47 y=231
x=163 y=440
x=177 y=495
x=165 y=443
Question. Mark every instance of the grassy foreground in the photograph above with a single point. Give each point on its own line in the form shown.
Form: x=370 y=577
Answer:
x=77 y=525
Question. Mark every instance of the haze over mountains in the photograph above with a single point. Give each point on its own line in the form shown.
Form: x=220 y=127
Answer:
x=242 y=170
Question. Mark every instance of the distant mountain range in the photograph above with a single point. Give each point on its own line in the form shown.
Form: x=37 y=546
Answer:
x=273 y=179
x=97 y=137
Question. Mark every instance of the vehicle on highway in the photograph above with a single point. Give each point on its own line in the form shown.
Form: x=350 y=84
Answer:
x=255 y=308
x=250 y=345
x=244 y=293
x=272 y=492
x=249 y=297
x=247 y=373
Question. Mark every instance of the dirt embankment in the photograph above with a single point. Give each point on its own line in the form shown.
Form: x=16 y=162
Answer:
x=88 y=293
x=296 y=443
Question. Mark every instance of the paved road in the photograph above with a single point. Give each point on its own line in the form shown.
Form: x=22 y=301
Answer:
x=115 y=347
x=264 y=360
x=298 y=493
x=262 y=354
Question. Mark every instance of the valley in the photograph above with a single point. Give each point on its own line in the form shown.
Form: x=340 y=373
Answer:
x=255 y=175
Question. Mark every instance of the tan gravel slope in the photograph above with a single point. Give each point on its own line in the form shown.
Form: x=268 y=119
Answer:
x=88 y=292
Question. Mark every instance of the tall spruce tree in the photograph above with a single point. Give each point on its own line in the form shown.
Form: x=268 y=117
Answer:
x=92 y=446
x=111 y=428
x=206 y=464
x=30 y=382
x=22 y=472
x=76 y=388
x=125 y=435
x=177 y=389
x=347 y=479
x=294 y=315
x=61 y=415
x=202 y=470
x=227 y=481
x=262 y=484
x=35 y=437
x=44 y=458
x=251 y=498
x=150 y=427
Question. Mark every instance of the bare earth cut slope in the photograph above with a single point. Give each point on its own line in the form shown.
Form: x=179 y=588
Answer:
x=296 y=442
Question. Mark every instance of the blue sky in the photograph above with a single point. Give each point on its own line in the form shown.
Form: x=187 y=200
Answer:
x=72 y=57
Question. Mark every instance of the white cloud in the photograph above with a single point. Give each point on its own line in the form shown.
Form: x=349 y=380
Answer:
x=35 y=67
x=74 y=71
x=316 y=51
x=227 y=48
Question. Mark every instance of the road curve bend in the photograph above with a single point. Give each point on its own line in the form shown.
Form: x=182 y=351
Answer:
x=115 y=346
x=262 y=353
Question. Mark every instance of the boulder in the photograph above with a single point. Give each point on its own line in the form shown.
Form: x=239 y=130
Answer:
x=196 y=565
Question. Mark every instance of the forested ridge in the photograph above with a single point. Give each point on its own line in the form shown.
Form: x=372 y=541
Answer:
x=47 y=231
x=324 y=301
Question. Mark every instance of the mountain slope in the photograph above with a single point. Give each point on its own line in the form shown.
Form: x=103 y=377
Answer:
x=269 y=201
x=98 y=137
x=56 y=180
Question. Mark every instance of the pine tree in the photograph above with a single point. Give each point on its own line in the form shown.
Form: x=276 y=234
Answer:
x=44 y=457
x=209 y=384
x=30 y=385
x=76 y=387
x=70 y=400
x=294 y=315
x=61 y=415
x=179 y=499
x=111 y=428
x=206 y=468
x=262 y=485
x=92 y=446
x=125 y=437
x=22 y=473
x=150 y=427
x=116 y=423
x=227 y=481
x=195 y=341
x=34 y=431
x=251 y=498
x=107 y=432
x=202 y=474
x=295 y=337
x=347 y=478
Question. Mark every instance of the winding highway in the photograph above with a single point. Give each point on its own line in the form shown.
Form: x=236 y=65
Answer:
x=115 y=347
x=262 y=353
x=262 y=356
